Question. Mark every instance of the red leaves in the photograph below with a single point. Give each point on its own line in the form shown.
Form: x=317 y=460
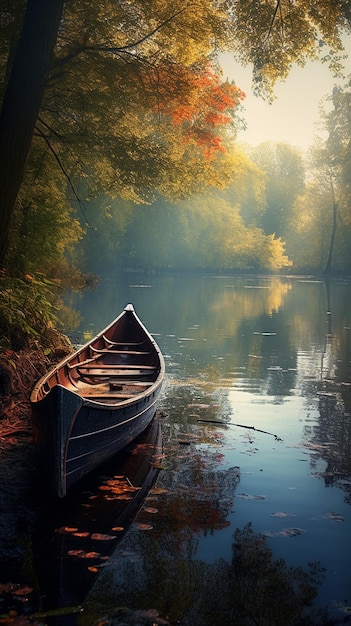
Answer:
x=198 y=103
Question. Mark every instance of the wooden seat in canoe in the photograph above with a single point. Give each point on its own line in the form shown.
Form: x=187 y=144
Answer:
x=105 y=396
x=114 y=371
x=133 y=383
x=130 y=344
x=113 y=351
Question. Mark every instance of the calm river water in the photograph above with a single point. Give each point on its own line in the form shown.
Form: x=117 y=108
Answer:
x=251 y=518
x=249 y=521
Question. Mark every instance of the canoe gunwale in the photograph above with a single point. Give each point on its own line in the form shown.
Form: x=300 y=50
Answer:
x=42 y=387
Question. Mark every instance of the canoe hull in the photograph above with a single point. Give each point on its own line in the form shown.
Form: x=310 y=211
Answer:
x=76 y=433
x=70 y=438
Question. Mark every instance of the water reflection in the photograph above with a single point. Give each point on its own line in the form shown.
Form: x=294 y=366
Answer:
x=268 y=352
x=253 y=588
x=75 y=537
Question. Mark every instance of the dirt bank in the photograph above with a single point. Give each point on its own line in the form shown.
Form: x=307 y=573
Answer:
x=19 y=371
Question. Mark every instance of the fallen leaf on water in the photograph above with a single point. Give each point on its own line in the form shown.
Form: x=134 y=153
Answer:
x=102 y=537
x=286 y=532
x=199 y=405
x=22 y=591
x=336 y=517
x=246 y=496
x=291 y=532
x=91 y=555
x=158 y=490
x=283 y=514
x=145 y=526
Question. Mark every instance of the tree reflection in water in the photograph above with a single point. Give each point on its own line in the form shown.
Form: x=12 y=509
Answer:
x=158 y=574
x=253 y=589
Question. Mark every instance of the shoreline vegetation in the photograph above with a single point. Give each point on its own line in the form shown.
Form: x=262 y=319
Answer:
x=19 y=371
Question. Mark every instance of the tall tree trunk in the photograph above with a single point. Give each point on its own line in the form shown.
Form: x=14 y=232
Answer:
x=22 y=102
x=328 y=267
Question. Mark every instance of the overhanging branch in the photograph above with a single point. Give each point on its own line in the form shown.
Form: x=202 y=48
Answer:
x=118 y=50
x=66 y=175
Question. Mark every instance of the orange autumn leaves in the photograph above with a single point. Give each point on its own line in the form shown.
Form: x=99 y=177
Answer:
x=84 y=544
x=196 y=102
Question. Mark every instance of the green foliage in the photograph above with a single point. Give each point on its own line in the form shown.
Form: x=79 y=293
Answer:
x=314 y=240
x=272 y=36
x=26 y=309
x=284 y=171
x=46 y=228
x=206 y=232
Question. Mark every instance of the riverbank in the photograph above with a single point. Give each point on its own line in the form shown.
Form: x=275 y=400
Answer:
x=19 y=371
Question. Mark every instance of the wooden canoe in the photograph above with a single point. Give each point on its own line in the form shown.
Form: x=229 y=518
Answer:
x=97 y=400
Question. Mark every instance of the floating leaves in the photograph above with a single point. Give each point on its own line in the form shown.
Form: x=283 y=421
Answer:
x=157 y=466
x=291 y=532
x=286 y=532
x=283 y=514
x=118 y=488
x=15 y=590
x=335 y=517
x=141 y=526
x=102 y=537
x=66 y=529
x=158 y=491
x=74 y=532
x=13 y=598
x=247 y=496
x=186 y=439
x=82 y=554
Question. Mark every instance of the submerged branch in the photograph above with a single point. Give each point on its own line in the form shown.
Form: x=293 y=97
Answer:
x=258 y=430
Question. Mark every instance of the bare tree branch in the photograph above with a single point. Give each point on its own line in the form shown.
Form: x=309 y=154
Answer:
x=119 y=50
x=277 y=8
x=67 y=176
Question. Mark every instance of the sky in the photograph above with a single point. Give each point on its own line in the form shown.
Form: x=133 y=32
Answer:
x=294 y=113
